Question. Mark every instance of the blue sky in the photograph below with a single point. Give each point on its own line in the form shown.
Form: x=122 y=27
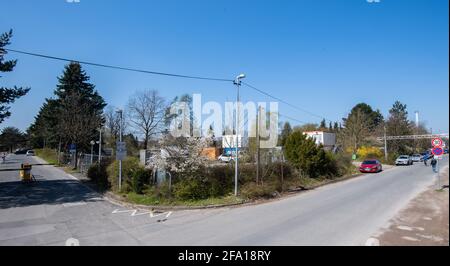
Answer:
x=324 y=56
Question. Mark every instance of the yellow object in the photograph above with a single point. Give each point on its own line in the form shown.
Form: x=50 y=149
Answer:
x=25 y=173
x=372 y=152
x=210 y=153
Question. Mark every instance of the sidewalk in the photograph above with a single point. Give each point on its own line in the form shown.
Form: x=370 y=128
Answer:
x=425 y=222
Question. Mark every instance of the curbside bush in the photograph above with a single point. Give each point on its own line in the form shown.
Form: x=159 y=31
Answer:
x=254 y=191
x=140 y=178
x=97 y=173
x=191 y=189
x=129 y=167
x=306 y=156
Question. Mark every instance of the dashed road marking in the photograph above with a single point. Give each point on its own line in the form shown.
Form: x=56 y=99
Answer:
x=412 y=239
x=134 y=213
x=404 y=228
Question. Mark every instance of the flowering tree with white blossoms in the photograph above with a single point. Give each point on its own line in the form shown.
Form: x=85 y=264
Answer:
x=181 y=156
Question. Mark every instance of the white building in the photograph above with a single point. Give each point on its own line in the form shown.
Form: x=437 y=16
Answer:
x=328 y=140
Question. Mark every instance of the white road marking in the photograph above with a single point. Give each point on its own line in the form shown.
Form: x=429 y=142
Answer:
x=72 y=242
x=373 y=242
x=404 y=228
x=74 y=204
x=134 y=213
x=410 y=239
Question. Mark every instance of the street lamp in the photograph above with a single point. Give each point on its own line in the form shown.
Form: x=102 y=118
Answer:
x=92 y=151
x=238 y=83
x=100 y=147
x=120 y=112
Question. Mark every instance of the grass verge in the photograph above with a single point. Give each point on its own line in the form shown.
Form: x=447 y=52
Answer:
x=151 y=200
x=49 y=155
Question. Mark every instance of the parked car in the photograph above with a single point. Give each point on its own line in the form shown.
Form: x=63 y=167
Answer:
x=21 y=151
x=445 y=151
x=31 y=153
x=417 y=158
x=404 y=160
x=226 y=158
x=371 y=166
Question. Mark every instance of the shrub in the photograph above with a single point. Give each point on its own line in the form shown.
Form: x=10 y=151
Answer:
x=369 y=152
x=129 y=166
x=191 y=189
x=254 y=191
x=220 y=180
x=97 y=173
x=303 y=153
x=140 y=178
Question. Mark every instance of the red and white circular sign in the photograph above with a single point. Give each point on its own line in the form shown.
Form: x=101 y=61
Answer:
x=437 y=142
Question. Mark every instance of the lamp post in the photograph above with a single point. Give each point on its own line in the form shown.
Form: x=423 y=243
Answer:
x=238 y=83
x=386 y=155
x=100 y=147
x=120 y=112
x=92 y=151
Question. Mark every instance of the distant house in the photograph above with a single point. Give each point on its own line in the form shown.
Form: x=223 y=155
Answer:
x=328 y=140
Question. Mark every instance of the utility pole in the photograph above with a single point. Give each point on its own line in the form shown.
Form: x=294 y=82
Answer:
x=100 y=147
x=120 y=140
x=258 y=141
x=386 y=155
x=238 y=84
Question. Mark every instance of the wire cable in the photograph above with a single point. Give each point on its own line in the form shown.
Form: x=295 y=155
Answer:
x=118 y=67
x=285 y=102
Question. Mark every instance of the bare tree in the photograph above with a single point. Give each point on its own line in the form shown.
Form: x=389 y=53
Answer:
x=112 y=123
x=146 y=112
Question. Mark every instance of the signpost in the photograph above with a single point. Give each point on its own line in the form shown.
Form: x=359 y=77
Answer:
x=438 y=151
x=437 y=142
x=121 y=153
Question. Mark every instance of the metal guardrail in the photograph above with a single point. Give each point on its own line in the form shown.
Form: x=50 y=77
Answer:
x=413 y=137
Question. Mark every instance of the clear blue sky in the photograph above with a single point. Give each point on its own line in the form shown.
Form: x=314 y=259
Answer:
x=324 y=56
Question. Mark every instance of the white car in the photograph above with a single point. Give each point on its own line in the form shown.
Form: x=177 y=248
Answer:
x=404 y=160
x=417 y=158
x=30 y=153
x=226 y=158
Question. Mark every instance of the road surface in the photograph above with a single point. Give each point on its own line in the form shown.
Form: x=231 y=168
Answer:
x=58 y=208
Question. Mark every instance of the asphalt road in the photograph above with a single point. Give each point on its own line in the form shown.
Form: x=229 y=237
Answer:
x=58 y=208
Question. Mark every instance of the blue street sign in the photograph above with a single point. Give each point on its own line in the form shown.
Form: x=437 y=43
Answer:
x=438 y=151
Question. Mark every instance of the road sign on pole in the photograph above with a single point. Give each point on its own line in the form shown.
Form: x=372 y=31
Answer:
x=121 y=152
x=438 y=151
x=437 y=142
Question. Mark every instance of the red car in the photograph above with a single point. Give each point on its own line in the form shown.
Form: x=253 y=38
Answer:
x=371 y=166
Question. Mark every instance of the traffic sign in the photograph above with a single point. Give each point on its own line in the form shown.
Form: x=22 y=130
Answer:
x=437 y=142
x=438 y=151
x=72 y=148
x=121 y=153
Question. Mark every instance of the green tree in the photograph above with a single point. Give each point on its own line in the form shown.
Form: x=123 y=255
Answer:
x=355 y=131
x=12 y=138
x=306 y=127
x=74 y=115
x=374 y=118
x=323 y=125
x=399 y=125
x=306 y=156
x=285 y=133
x=8 y=95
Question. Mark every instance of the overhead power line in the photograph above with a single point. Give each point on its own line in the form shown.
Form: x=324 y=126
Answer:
x=285 y=102
x=118 y=67
x=170 y=75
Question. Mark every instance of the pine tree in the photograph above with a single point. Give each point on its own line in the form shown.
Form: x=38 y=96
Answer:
x=8 y=95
